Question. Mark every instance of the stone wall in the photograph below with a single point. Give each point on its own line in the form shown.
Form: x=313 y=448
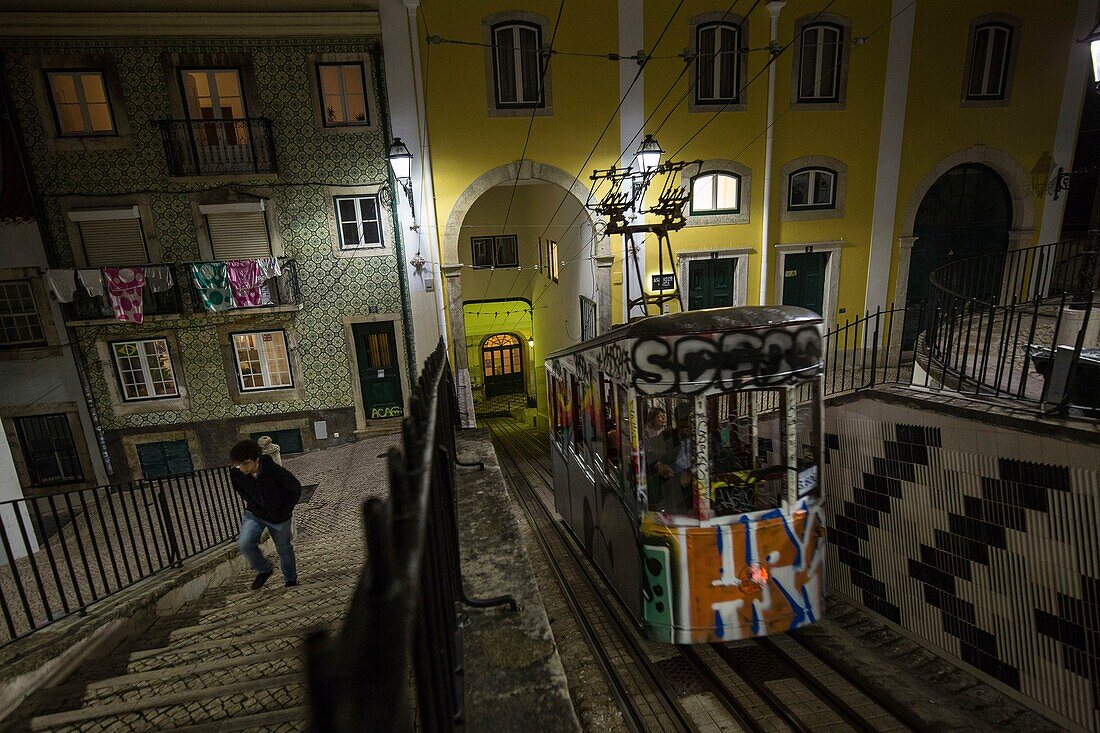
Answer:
x=974 y=530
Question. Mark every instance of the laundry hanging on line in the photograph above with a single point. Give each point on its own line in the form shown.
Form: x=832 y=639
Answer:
x=124 y=290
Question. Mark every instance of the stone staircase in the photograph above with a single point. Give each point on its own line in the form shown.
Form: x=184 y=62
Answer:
x=229 y=661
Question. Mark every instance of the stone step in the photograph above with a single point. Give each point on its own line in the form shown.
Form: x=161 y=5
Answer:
x=128 y=687
x=292 y=720
x=278 y=617
x=308 y=585
x=174 y=710
x=307 y=596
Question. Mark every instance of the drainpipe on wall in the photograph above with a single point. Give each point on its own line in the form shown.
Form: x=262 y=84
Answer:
x=51 y=260
x=426 y=183
x=773 y=9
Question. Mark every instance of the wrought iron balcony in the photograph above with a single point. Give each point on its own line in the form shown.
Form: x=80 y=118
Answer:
x=86 y=307
x=283 y=290
x=218 y=147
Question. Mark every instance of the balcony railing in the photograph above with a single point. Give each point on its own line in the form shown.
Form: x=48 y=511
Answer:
x=217 y=147
x=283 y=289
x=86 y=307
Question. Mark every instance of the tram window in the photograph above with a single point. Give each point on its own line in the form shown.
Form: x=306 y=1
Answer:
x=668 y=439
x=558 y=413
x=809 y=440
x=625 y=442
x=744 y=477
x=609 y=412
x=576 y=418
x=593 y=421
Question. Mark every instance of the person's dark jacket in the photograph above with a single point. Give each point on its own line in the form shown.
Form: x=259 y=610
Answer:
x=272 y=494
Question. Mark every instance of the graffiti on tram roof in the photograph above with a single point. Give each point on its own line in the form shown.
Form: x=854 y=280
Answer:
x=697 y=363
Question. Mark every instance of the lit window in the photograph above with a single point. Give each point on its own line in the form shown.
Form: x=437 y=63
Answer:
x=812 y=188
x=552 y=264
x=717 y=67
x=215 y=94
x=19 y=323
x=500 y=355
x=989 y=61
x=80 y=103
x=262 y=361
x=716 y=193
x=343 y=94
x=48 y=449
x=517 y=65
x=357 y=217
x=819 y=63
x=144 y=369
x=501 y=251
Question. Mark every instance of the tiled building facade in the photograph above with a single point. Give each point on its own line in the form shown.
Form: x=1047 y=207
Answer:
x=264 y=151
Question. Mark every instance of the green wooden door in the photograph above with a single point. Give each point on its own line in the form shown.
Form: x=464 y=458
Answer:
x=166 y=458
x=804 y=280
x=710 y=283
x=379 y=378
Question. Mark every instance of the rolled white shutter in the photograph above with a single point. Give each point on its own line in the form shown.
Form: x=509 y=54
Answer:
x=110 y=242
x=238 y=235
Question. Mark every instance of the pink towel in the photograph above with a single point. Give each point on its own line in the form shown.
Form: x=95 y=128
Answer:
x=124 y=286
x=246 y=283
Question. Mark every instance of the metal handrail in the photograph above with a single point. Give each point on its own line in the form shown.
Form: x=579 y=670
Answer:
x=66 y=550
x=405 y=614
x=217 y=147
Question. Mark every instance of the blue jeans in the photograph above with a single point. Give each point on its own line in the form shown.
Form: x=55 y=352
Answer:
x=249 y=543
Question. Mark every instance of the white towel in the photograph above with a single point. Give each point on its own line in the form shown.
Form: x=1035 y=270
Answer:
x=158 y=277
x=62 y=284
x=270 y=267
x=92 y=280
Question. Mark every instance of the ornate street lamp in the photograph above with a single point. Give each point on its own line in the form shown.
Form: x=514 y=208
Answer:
x=401 y=164
x=649 y=155
x=1094 y=46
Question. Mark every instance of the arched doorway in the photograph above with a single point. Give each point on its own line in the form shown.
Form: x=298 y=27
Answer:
x=502 y=362
x=967 y=212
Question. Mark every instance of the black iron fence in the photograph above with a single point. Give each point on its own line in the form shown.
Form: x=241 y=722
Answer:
x=63 y=552
x=85 y=307
x=400 y=648
x=283 y=289
x=216 y=147
x=992 y=326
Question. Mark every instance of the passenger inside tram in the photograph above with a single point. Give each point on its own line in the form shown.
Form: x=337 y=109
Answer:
x=669 y=455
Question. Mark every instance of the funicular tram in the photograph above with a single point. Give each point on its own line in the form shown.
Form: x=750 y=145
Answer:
x=685 y=452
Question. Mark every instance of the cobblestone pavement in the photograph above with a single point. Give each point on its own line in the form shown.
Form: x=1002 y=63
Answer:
x=231 y=660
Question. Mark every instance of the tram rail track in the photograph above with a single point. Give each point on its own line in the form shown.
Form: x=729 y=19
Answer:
x=726 y=680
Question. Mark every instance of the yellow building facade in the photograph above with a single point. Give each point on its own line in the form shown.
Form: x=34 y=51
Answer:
x=840 y=149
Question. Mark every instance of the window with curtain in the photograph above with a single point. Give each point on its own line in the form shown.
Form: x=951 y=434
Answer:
x=812 y=188
x=990 y=47
x=717 y=63
x=517 y=65
x=144 y=369
x=343 y=94
x=716 y=193
x=262 y=360
x=819 y=63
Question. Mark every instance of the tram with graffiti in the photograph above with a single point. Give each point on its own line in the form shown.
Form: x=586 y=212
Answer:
x=685 y=451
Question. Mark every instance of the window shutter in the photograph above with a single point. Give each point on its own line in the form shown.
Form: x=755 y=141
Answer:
x=239 y=235
x=113 y=242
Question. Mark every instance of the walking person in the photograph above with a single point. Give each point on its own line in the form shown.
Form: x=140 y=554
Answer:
x=270 y=493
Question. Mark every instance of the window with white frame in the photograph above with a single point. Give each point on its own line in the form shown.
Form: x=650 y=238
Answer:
x=262 y=360
x=357 y=219
x=517 y=65
x=990 y=47
x=80 y=102
x=111 y=237
x=343 y=94
x=716 y=193
x=717 y=63
x=812 y=188
x=144 y=369
x=819 y=63
x=19 y=321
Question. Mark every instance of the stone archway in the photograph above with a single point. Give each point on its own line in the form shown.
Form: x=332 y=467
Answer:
x=525 y=170
x=1015 y=178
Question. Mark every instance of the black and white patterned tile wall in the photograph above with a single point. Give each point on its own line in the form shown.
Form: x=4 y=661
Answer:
x=980 y=540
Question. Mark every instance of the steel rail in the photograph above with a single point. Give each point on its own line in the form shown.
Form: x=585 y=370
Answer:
x=633 y=715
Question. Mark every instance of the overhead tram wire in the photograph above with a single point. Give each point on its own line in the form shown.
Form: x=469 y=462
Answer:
x=544 y=65
x=673 y=108
x=853 y=45
x=641 y=67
